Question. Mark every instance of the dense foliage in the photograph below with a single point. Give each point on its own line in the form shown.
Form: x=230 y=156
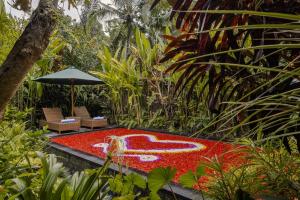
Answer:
x=245 y=56
x=141 y=94
x=139 y=91
x=18 y=148
x=223 y=68
x=266 y=173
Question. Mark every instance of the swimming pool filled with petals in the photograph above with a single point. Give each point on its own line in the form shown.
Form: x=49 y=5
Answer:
x=145 y=150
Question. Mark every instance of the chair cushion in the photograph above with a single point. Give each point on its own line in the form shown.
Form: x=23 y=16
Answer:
x=98 y=117
x=67 y=120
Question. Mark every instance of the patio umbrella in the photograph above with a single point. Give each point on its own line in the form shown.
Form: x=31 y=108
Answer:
x=70 y=76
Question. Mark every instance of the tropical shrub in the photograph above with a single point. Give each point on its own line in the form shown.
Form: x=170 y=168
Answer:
x=52 y=181
x=133 y=186
x=141 y=95
x=17 y=149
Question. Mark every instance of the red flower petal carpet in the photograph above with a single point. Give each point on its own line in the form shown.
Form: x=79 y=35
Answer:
x=146 y=150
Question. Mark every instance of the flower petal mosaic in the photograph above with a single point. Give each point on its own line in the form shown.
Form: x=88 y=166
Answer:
x=145 y=150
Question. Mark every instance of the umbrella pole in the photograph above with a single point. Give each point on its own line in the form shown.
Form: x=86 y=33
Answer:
x=72 y=100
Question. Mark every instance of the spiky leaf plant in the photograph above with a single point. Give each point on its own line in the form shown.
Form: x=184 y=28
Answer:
x=245 y=55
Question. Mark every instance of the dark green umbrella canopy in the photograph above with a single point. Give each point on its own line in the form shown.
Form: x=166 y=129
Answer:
x=70 y=76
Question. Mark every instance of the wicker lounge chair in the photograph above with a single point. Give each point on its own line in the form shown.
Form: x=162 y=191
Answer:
x=53 y=120
x=86 y=120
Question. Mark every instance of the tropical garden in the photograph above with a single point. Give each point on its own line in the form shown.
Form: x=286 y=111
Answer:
x=213 y=69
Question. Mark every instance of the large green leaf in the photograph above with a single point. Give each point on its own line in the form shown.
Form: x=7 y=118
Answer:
x=159 y=177
x=190 y=179
x=136 y=180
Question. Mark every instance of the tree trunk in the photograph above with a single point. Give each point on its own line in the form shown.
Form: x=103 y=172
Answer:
x=27 y=50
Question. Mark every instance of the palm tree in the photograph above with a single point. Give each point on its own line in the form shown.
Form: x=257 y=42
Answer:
x=123 y=16
x=121 y=19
